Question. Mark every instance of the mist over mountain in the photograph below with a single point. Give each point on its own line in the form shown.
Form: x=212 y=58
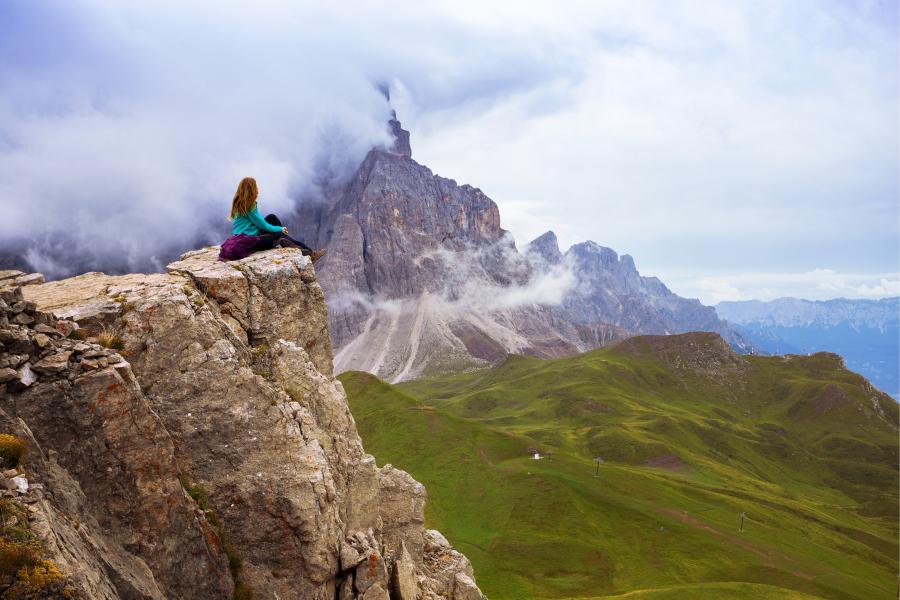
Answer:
x=865 y=332
x=420 y=276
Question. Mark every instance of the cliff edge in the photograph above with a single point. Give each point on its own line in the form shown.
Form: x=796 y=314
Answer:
x=185 y=438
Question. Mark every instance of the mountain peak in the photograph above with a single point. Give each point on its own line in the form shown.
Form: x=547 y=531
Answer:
x=694 y=351
x=590 y=248
x=401 y=137
x=546 y=246
x=400 y=144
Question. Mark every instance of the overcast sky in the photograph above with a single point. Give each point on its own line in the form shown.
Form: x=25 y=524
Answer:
x=734 y=149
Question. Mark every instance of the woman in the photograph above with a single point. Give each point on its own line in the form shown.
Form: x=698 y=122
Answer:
x=250 y=232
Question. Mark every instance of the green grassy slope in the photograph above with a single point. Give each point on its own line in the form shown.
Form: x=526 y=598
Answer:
x=691 y=436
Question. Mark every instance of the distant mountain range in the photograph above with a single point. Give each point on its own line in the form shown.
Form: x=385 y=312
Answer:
x=865 y=332
x=421 y=278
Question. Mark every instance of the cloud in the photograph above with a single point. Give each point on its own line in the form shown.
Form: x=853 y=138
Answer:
x=817 y=284
x=496 y=277
x=124 y=127
x=479 y=280
x=711 y=137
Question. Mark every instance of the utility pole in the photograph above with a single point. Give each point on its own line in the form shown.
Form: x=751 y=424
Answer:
x=599 y=462
x=742 y=520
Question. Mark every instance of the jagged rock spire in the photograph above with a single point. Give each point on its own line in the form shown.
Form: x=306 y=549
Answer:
x=546 y=246
x=401 y=138
x=401 y=144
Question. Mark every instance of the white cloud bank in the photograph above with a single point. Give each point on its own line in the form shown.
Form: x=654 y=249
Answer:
x=703 y=136
x=476 y=280
x=818 y=284
x=124 y=127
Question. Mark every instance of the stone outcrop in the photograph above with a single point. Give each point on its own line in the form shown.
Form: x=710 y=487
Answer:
x=192 y=442
x=12 y=278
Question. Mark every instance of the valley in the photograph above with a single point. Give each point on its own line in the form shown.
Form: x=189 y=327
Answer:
x=691 y=435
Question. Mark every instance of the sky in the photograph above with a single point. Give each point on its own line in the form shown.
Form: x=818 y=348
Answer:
x=735 y=149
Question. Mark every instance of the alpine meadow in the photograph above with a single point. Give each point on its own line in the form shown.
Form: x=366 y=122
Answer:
x=692 y=437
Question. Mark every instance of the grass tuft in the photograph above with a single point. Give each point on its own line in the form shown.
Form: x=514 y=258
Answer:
x=295 y=393
x=241 y=591
x=108 y=338
x=24 y=573
x=40 y=577
x=12 y=450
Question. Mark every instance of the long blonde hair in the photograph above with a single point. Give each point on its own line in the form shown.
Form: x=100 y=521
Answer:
x=244 y=197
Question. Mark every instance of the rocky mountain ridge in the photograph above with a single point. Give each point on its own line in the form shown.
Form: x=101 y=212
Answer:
x=421 y=278
x=188 y=440
x=610 y=289
x=875 y=313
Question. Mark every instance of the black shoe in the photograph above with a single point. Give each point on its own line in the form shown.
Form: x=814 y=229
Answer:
x=286 y=243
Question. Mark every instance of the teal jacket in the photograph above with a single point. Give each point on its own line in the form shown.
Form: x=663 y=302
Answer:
x=252 y=223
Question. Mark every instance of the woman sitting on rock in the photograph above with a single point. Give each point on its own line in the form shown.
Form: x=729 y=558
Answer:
x=250 y=232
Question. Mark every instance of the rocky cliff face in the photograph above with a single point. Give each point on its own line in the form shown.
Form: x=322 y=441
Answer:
x=415 y=266
x=190 y=441
x=386 y=229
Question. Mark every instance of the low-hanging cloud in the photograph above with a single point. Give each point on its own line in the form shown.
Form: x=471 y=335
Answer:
x=476 y=280
x=124 y=127
x=470 y=281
